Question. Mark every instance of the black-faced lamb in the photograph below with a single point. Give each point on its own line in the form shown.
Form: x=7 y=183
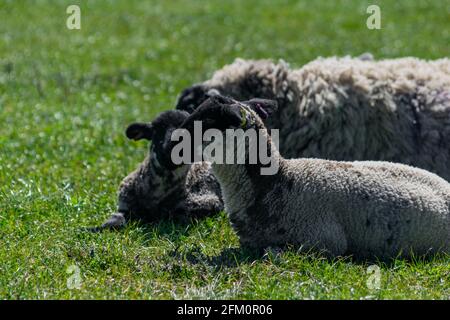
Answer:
x=347 y=108
x=365 y=209
x=154 y=192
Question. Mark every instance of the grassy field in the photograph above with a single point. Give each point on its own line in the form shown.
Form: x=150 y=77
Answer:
x=67 y=95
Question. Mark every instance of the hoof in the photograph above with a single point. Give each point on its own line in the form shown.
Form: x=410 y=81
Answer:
x=115 y=222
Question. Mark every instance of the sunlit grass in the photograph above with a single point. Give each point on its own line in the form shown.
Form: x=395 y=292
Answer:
x=66 y=97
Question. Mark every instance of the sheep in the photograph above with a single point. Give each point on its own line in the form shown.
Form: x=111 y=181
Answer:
x=365 y=209
x=347 y=108
x=154 y=192
x=333 y=128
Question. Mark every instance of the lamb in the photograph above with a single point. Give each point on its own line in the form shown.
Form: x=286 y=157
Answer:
x=154 y=192
x=347 y=108
x=366 y=209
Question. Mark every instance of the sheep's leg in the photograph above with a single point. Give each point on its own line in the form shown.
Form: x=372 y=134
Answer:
x=331 y=239
x=200 y=206
x=325 y=236
x=115 y=221
x=118 y=219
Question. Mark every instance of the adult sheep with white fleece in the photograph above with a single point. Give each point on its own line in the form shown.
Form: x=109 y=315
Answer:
x=347 y=108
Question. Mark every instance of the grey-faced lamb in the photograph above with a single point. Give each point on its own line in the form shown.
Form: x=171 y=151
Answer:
x=347 y=108
x=365 y=209
x=154 y=192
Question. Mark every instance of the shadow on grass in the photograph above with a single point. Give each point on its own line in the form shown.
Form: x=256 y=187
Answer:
x=228 y=258
x=234 y=257
x=177 y=230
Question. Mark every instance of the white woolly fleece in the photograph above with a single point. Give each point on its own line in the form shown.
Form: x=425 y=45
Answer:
x=351 y=109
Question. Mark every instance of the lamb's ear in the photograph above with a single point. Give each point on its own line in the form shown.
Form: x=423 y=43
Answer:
x=139 y=130
x=263 y=107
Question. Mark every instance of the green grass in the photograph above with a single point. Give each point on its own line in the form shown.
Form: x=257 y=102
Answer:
x=66 y=97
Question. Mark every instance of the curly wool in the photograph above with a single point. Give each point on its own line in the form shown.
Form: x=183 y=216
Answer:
x=349 y=108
